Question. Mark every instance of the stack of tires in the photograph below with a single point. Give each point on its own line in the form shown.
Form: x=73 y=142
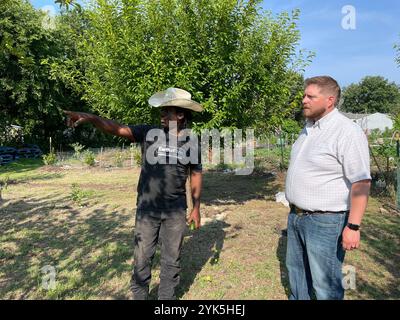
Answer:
x=7 y=154
x=27 y=151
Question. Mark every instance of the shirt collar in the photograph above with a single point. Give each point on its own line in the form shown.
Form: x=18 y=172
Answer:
x=321 y=123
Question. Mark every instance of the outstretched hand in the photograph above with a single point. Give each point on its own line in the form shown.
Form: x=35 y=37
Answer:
x=74 y=119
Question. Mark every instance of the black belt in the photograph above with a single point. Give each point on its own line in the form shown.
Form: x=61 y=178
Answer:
x=301 y=212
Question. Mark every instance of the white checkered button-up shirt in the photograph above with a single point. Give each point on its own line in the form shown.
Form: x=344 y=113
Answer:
x=326 y=159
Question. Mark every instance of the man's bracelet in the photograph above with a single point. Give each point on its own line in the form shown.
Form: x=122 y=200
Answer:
x=354 y=227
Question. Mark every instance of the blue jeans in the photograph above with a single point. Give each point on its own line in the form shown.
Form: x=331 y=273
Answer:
x=150 y=227
x=314 y=256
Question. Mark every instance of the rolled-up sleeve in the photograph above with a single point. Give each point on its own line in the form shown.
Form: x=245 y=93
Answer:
x=354 y=155
x=139 y=131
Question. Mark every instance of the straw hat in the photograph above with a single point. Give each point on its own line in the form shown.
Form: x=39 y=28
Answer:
x=175 y=97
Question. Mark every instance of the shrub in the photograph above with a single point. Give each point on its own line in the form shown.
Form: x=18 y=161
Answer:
x=89 y=158
x=49 y=159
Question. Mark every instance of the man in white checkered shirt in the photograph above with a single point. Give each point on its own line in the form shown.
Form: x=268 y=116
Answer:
x=327 y=186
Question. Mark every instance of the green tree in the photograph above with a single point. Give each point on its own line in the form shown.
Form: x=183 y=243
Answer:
x=29 y=95
x=34 y=87
x=397 y=122
x=372 y=94
x=240 y=62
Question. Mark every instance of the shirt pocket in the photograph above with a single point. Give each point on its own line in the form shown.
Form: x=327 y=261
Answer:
x=322 y=156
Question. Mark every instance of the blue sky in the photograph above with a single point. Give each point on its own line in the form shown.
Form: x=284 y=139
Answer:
x=346 y=55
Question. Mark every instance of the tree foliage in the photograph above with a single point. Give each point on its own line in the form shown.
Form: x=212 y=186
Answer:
x=238 y=62
x=29 y=95
x=110 y=56
x=33 y=88
x=372 y=94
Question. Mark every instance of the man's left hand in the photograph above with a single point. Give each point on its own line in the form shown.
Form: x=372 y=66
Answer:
x=350 y=239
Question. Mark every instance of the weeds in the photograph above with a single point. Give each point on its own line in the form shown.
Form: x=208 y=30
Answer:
x=119 y=159
x=79 y=196
x=77 y=149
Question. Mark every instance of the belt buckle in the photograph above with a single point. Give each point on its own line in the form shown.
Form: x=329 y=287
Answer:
x=299 y=212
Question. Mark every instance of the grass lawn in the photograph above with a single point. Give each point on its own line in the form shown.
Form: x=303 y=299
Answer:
x=86 y=233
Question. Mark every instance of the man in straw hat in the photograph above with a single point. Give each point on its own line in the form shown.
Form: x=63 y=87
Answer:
x=169 y=155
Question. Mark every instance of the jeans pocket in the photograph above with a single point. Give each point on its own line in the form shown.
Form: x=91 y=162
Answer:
x=331 y=220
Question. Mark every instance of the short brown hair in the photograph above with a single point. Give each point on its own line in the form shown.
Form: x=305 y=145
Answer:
x=327 y=84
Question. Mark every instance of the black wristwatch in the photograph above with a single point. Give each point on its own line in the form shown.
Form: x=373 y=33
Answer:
x=354 y=227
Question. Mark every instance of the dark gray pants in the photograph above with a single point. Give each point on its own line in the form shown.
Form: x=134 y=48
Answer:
x=151 y=226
